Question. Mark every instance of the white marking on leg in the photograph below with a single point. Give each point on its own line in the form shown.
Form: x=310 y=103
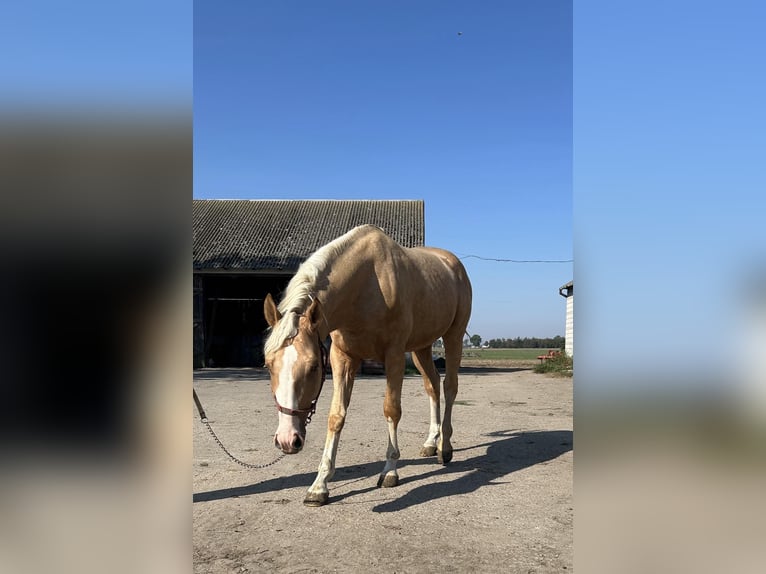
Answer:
x=392 y=452
x=433 y=429
x=326 y=466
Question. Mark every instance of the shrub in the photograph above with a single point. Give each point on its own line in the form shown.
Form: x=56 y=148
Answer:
x=561 y=364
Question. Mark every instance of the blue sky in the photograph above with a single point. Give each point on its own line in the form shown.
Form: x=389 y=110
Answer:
x=669 y=141
x=351 y=100
x=89 y=53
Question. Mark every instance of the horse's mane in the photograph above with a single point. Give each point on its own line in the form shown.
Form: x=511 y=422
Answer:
x=302 y=287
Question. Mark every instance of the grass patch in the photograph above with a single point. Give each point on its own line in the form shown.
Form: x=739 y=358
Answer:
x=559 y=364
x=504 y=354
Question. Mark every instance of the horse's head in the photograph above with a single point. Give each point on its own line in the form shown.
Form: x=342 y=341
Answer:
x=297 y=368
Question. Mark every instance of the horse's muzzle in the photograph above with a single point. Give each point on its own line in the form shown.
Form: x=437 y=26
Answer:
x=293 y=445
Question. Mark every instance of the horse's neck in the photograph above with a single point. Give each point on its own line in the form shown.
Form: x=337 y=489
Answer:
x=337 y=296
x=336 y=301
x=329 y=309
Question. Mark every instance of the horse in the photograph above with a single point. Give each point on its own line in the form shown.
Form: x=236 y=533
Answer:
x=376 y=300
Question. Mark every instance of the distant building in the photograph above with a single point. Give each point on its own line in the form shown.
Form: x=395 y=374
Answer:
x=567 y=291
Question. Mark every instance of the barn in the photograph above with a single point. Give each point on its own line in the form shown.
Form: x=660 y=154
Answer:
x=245 y=249
x=567 y=290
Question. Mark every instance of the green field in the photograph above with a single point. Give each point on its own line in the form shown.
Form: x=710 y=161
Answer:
x=489 y=355
x=503 y=354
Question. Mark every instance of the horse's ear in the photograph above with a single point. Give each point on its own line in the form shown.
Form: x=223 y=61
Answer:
x=314 y=313
x=270 y=311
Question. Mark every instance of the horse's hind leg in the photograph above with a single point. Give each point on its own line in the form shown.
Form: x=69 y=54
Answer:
x=392 y=409
x=453 y=351
x=425 y=364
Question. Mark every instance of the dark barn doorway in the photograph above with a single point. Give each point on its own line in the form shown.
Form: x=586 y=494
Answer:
x=233 y=326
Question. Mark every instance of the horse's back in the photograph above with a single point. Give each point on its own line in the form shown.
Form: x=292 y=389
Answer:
x=416 y=294
x=441 y=272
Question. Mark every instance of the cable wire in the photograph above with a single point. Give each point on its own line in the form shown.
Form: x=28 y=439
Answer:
x=518 y=260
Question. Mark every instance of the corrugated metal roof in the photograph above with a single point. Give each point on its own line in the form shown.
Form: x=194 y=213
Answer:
x=278 y=235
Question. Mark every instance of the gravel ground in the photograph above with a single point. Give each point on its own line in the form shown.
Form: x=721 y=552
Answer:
x=504 y=504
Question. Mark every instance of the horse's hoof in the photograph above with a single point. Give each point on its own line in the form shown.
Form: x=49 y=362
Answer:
x=388 y=481
x=444 y=457
x=428 y=451
x=316 y=498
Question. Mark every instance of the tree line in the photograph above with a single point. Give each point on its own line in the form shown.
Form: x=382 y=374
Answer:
x=556 y=342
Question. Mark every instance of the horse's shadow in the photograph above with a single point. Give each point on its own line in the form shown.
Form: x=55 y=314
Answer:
x=511 y=451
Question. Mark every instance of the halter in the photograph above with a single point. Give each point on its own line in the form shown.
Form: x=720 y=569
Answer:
x=313 y=408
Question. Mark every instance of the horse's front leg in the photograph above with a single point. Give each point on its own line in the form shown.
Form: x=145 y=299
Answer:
x=392 y=409
x=343 y=369
x=318 y=493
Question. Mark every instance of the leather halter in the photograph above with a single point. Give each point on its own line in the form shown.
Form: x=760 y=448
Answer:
x=313 y=408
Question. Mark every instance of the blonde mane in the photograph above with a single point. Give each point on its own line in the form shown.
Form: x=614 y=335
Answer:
x=302 y=288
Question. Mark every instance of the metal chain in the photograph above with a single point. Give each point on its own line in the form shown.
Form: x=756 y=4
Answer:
x=203 y=418
x=234 y=458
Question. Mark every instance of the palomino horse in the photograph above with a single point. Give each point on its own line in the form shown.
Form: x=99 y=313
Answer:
x=376 y=300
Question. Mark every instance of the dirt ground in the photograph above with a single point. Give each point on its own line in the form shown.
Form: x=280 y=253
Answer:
x=504 y=504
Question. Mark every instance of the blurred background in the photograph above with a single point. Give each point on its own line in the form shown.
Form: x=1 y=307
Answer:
x=669 y=262
x=95 y=298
